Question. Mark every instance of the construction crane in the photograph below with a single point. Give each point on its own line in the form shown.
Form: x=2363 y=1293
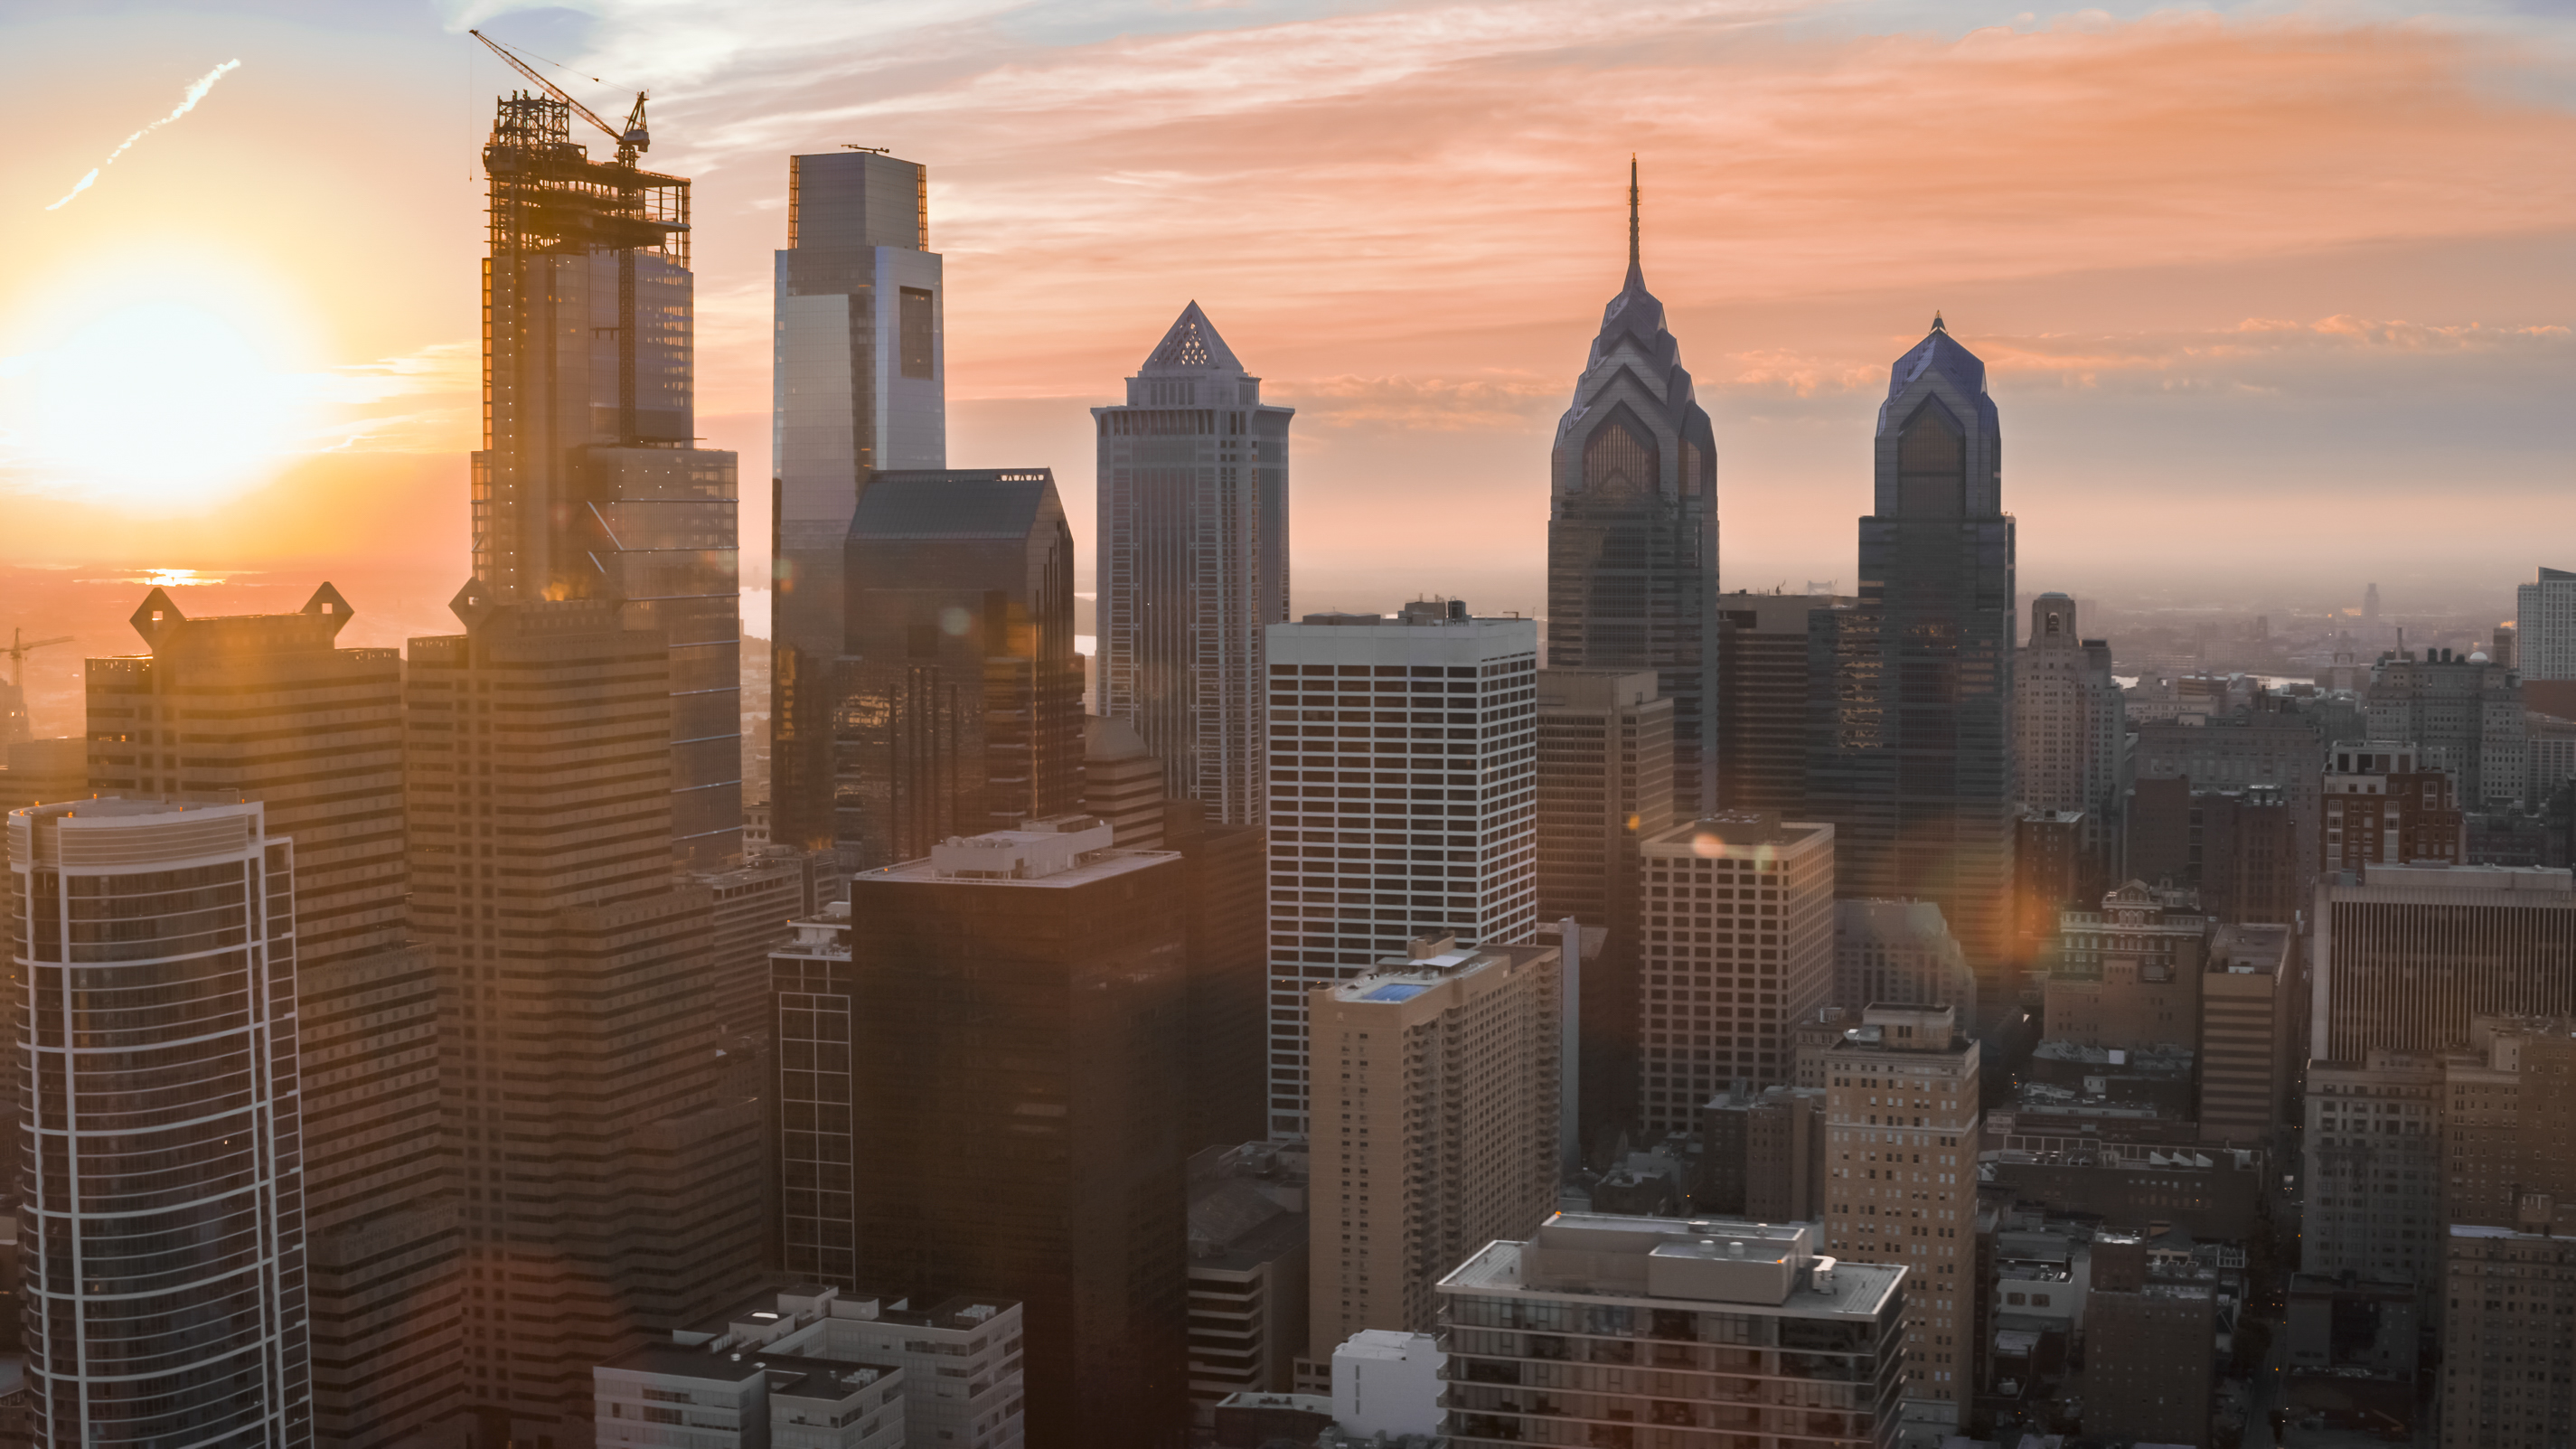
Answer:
x=20 y=647
x=632 y=142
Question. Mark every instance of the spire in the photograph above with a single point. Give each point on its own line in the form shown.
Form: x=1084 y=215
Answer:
x=1636 y=271
x=1936 y=323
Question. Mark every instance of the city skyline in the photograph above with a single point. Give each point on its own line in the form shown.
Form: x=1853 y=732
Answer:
x=2139 y=300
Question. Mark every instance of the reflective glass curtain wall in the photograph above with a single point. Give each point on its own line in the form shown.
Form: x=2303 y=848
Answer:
x=859 y=385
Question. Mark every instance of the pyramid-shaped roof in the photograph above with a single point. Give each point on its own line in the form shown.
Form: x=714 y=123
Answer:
x=1192 y=346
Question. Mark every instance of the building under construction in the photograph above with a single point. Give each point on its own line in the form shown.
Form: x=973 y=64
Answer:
x=589 y=483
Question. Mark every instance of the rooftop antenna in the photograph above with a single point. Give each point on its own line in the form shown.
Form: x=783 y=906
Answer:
x=871 y=150
x=1633 y=268
x=1936 y=323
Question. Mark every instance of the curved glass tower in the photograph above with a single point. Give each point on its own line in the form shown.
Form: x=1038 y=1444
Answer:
x=1632 y=527
x=162 y=1237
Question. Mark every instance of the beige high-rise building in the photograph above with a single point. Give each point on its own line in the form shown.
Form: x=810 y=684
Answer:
x=1434 y=1127
x=1901 y=1116
x=268 y=707
x=607 y=1142
x=1739 y=926
x=2070 y=731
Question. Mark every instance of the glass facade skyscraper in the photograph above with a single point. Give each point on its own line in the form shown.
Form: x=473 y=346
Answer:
x=1193 y=540
x=860 y=385
x=588 y=484
x=960 y=694
x=1632 y=526
x=1911 y=734
x=161 y=1240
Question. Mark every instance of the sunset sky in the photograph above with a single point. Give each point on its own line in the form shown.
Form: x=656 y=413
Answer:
x=2275 y=299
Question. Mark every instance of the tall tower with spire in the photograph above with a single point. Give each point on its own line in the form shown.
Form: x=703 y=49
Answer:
x=1912 y=739
x=1632 y=524
x=1193 y=540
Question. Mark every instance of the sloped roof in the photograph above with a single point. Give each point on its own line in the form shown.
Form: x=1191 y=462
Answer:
x=1192 y=346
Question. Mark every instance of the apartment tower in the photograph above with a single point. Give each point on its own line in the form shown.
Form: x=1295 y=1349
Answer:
x=1912 y=732
x=981 y=1083
x=1632 y=525
x=859 y=384
x=1605 y=786
x=603 y=1127
x=1193 y=540
x=159 y=1306
x=589 y=483
x=1738 y=910
x=268 y=708
x=960 y=694
x=1754 y=1337
x=1435 y=1131
x=1403 y=802
x=2545 y=626
x=1901 y=1113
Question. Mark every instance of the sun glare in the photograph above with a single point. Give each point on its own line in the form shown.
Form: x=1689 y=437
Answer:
x=159 y=402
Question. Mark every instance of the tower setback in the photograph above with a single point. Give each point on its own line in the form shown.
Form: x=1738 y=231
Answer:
x=1632 y=526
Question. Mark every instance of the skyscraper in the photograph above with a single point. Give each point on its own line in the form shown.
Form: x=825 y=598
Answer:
x=1901 y=1109
x=980 y=1082
x=1762 y=693
x=959 y=703
x=1605 y=787
x=1193 y=540
x=588 y=483
x=1912 y=732
x=860 y=384
x=1738 y=910
x=2070 y=730
x=1632 y=526
x=162 y=1235
x=1422 y=821
x=1436 y=1134
x=604 y=1134
x=2545 y=626
x=2407 y=956
x=271 y=709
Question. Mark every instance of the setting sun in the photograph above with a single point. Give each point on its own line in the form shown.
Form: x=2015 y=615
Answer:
x=157 y=402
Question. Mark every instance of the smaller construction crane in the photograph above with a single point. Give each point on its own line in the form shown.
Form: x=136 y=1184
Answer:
x=20 y=647
x=632 y=142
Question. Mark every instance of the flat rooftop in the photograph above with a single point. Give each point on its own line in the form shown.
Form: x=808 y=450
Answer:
x=1721 y=1264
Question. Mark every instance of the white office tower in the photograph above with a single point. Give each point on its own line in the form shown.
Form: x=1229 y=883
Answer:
x=2544 y=626
x=1403 y=802
x=161 y=1236
x=1193 y=491
x=859 y=387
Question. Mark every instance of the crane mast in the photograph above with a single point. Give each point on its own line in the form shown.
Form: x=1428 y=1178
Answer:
x=632 y=142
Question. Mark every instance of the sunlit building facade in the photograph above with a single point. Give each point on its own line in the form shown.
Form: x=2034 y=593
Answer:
x=589 y=483
x=859 y=385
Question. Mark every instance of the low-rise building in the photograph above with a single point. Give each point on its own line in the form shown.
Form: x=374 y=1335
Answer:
x=1737 y=1330
x=1248 y=1257
x=808 y=1367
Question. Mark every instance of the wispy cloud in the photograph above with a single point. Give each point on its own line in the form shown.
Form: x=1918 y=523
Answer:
x=197 y=90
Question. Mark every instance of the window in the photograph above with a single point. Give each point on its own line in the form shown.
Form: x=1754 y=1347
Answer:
x=914 y=331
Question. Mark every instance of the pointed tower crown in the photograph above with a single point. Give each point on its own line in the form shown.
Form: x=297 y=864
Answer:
x=1192 y=345
x=1634 y=382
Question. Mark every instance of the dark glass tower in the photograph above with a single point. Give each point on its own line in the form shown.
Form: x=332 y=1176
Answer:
x=859 y=385
x=587 y=484
x=960 y=703
x=1632 y=531
x=1912 y=741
